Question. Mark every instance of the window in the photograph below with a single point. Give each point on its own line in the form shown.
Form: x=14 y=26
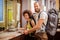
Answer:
x=1 y=11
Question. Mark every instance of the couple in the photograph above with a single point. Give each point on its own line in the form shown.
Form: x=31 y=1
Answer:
x=39 y=22
x=36 y=23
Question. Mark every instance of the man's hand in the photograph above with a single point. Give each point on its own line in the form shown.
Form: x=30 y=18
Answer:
x=26 y=32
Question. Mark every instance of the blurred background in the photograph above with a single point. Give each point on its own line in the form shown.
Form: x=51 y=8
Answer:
x=11 y=11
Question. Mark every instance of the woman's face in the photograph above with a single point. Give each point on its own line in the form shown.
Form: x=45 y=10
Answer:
x=26 y=16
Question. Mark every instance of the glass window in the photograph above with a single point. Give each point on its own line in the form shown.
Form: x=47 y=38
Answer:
x=1 y=10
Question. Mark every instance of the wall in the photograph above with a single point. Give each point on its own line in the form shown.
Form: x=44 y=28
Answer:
x=24 y=7
x=57 y=5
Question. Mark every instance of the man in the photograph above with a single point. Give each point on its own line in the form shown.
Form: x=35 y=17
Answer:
x=40 y=23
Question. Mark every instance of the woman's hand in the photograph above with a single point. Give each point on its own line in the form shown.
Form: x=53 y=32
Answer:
x=26 y=32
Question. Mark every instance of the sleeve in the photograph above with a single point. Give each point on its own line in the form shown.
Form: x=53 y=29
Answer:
x=42 y=15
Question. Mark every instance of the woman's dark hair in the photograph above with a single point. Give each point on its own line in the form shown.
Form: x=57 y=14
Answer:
x=28 y=12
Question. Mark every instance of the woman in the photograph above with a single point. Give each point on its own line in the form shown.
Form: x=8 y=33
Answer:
x=29 y=24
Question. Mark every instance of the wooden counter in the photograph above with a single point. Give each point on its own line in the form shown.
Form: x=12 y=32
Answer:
x=18 y=36
x=9 y=35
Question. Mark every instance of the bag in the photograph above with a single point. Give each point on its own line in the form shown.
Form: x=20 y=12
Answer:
x=51 y=25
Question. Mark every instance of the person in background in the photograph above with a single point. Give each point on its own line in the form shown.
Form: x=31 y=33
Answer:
x=51 y=24
x=41 y=20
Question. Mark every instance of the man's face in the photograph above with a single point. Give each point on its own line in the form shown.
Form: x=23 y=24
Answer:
x=36 y=7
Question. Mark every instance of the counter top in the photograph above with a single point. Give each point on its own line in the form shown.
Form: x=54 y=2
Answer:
x=9 y=35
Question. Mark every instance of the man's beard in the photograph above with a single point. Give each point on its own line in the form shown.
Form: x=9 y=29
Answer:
x=38 y=10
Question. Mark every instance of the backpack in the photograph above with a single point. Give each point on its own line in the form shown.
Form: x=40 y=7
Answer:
x=50 y=28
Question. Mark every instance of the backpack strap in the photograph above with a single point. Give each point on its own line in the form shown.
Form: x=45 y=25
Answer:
x=30 y=23
x=32 y=18
x=39 y=17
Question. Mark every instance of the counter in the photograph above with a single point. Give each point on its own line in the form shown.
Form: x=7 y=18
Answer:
x=18 y=36
x=9 y=35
